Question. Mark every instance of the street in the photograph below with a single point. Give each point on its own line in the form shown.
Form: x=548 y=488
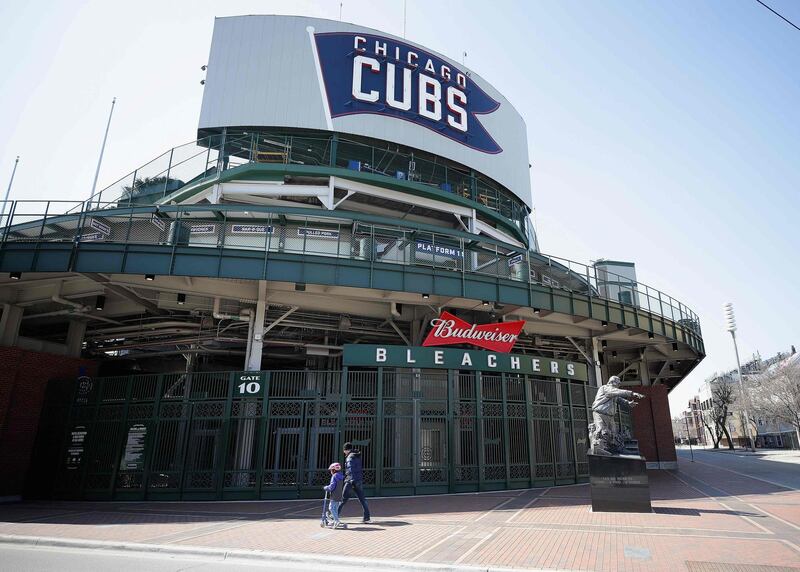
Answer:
x=775 y=467
x=45 y=559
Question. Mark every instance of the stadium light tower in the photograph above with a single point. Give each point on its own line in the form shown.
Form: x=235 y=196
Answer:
x=730 y=320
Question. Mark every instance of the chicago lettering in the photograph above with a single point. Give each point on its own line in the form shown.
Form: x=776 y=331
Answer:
x=433 y=93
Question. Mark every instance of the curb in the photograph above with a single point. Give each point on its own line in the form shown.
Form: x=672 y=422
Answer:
x=249 y=555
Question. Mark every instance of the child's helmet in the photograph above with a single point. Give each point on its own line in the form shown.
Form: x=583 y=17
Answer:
x=335 y=467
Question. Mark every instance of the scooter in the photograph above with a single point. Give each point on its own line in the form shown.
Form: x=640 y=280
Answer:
x=324 y=522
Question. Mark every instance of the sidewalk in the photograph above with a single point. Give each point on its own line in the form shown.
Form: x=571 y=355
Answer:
x=702 y=520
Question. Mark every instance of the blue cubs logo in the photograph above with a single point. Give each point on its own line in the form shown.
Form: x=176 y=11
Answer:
x=373 y=74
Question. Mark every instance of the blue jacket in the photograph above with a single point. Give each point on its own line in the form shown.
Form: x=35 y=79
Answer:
x=336 y=486
x=353 y=468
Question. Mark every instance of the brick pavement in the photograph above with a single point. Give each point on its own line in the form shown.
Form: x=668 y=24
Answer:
x=702 y=520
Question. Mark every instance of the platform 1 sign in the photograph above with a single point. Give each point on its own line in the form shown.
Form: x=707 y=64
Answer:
x=449 y=358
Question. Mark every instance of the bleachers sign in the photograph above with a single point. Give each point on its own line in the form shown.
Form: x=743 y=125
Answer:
x=459 y=359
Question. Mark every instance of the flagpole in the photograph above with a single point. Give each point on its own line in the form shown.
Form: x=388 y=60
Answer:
x=102 y=150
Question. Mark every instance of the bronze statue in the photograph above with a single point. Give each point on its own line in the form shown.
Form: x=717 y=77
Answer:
x=605 y=436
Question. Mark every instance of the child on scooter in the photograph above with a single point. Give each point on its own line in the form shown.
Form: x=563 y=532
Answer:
x=334 y=490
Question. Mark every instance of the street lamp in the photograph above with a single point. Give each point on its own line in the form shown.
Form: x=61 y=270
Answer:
x=730 y=320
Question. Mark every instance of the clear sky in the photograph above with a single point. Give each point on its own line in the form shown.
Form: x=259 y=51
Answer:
x=664 y=133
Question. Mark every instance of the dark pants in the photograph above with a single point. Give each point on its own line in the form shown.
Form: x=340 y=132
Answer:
x=358 y=487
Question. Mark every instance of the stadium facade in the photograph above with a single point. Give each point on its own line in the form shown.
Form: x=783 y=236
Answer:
x=345 y=253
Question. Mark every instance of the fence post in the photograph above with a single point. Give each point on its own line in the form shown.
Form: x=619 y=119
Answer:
x=572 y=434
x=261 y=434
x=530 y=433
x=340 y=423
x=379 y=414
x=480 y=445
x=122 y=444
x=152 y=433
x=506 y=433
x=451 y=433
x=44 y=220
x=226 y=433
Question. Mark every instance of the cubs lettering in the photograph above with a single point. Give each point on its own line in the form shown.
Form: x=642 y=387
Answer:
x=364 y=73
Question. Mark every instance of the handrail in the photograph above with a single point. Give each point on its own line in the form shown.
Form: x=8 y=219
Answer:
x=341 y=234
x=206 y=157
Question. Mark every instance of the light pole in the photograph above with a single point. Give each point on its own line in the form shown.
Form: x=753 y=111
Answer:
x=730 y=319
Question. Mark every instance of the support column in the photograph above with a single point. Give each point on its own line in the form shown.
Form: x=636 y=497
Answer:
x=9 y=324
x=257 y=339
x=644 y=370
x=247 y=424
x=595 y=373
x=75 y=334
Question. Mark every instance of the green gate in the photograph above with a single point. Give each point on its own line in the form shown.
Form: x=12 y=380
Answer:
x=272 y=434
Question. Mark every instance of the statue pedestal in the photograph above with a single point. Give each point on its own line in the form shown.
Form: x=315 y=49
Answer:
x=619 y=484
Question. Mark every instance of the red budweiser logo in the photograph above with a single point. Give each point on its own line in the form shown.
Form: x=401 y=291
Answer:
x=448 y=330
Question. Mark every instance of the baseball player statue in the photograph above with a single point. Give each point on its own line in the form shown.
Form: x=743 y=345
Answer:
x=605 y=436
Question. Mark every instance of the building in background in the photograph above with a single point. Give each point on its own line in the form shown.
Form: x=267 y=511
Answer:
x=345 y=253
x=768 y=431
x=691 y=421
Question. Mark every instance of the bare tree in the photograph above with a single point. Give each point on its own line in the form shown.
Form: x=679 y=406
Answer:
x=715 y=419
x=776 y=393
x=754 y=412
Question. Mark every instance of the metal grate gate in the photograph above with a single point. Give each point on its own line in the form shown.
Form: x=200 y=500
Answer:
x=206 y=436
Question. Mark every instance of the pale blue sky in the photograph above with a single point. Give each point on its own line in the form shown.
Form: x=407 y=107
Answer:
x=665 y=133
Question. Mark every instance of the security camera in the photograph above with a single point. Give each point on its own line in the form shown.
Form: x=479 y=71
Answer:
x=204 y=68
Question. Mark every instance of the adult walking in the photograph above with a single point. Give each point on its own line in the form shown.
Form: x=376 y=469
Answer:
x=354 y=479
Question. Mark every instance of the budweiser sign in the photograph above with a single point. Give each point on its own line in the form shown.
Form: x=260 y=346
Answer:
x=449 y=330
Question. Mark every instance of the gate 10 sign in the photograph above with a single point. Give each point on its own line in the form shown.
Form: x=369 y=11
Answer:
x=249 y=384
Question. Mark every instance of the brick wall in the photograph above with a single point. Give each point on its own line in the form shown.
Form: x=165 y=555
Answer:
x=23 y=379
x=652 y=425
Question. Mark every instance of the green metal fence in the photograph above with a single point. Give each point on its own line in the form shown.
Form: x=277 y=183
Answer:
x=272 y=434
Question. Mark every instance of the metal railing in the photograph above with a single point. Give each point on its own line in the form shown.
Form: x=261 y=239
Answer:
x=204 y=159
x=339 y=235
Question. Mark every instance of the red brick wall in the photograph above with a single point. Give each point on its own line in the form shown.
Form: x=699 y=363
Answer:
x=23 y=379
x=652 y=424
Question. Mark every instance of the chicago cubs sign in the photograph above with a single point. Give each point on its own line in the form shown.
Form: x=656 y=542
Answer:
x=365 y=73
x=448 y=329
